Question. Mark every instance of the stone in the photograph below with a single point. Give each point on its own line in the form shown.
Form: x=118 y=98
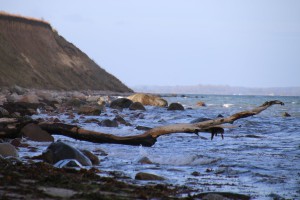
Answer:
x=120 y=103
x=200 y=119
x=142 y=128
x=93 y=158
x=136 y=106
x=30 y=98
x=148 y=177
x=34 y=132
x=120 y=120
x=109 y=123
x=57 y=151
x=8 y=150
x=201 y=104
x=75 y=102
x=285 y=114
x=89 y=110
x=195 y=173
x=145 y=160
x=67 y=163
x=175 y=106
x=148 y=100
x=3 y=112
x=214 y=197
x=17 y=89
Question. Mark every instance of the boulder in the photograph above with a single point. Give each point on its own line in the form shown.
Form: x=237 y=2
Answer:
x=75 y=102
x=17 y=89
x=285 y=114
x=175 y=106
x=120 y=103
x=148 y=177
x=30 y=98
x=201 y=104
x=89 y=110
x=200 y=119
x=7 y=150
x=57 y=151
x=136 y=106
x=34 y=132
x=93 y=158
x=109 y=123
x=148 y=100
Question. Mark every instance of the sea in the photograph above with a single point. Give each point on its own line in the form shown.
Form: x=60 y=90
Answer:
x=260 y=157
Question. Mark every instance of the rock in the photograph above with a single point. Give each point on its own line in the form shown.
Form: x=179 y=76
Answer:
x=7 y=150
x=201 y=104
x=75 y=102
x=29 y=98
x=175 y=106
x=142 y=128
x=17 y=89
x=148 y=177
x=220 y=116
x=148 y=100
x=21 y=107
x=89 y=110
x=120 y=120
x=109 y=123
x=195 y=173
x=34 y=132
x=120 y=103
x=93 y=158
x=285 y=114
x=60 y=151
x=145 y=160
x=200 y=119
x=136 y=106
x=3 y=112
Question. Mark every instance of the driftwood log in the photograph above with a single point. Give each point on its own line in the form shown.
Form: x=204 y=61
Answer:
x=149 y=137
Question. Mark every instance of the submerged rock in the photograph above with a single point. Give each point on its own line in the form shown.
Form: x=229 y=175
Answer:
x=148 y=177
x=145 y=160
x=201 y=104
x=60 y=151
x=285 y=114
x=8 y=150
x=109 y=123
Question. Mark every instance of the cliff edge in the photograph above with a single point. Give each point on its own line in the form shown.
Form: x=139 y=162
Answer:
x=33 y=55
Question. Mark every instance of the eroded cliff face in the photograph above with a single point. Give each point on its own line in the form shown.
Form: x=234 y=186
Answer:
x=33 y=55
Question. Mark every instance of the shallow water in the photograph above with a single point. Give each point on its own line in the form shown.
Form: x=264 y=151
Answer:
x=260 y=158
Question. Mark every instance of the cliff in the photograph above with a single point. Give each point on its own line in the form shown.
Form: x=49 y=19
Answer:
x=33 y=55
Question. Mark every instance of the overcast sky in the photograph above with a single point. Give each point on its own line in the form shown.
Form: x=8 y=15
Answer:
x=252 y=43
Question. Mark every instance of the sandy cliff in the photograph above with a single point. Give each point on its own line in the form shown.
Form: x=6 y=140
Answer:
x=33 y=55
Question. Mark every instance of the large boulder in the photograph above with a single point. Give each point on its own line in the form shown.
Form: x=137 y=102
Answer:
x=60 y=151
x=147 y=99
x=175 y=106
x=7 y=150
x=34 y=132
x=120 y=103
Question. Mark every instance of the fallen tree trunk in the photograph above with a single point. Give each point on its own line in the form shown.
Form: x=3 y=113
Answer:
x=149 y=138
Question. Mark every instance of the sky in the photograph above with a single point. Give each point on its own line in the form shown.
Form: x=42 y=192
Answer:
x=249 y=43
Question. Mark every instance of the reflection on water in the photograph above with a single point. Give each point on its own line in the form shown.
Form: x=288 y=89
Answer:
x=259 y=158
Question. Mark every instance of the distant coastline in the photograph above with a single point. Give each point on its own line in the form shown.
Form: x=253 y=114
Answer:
x=219 y=90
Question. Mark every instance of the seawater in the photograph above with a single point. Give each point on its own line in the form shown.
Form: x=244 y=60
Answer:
x=260 y=158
